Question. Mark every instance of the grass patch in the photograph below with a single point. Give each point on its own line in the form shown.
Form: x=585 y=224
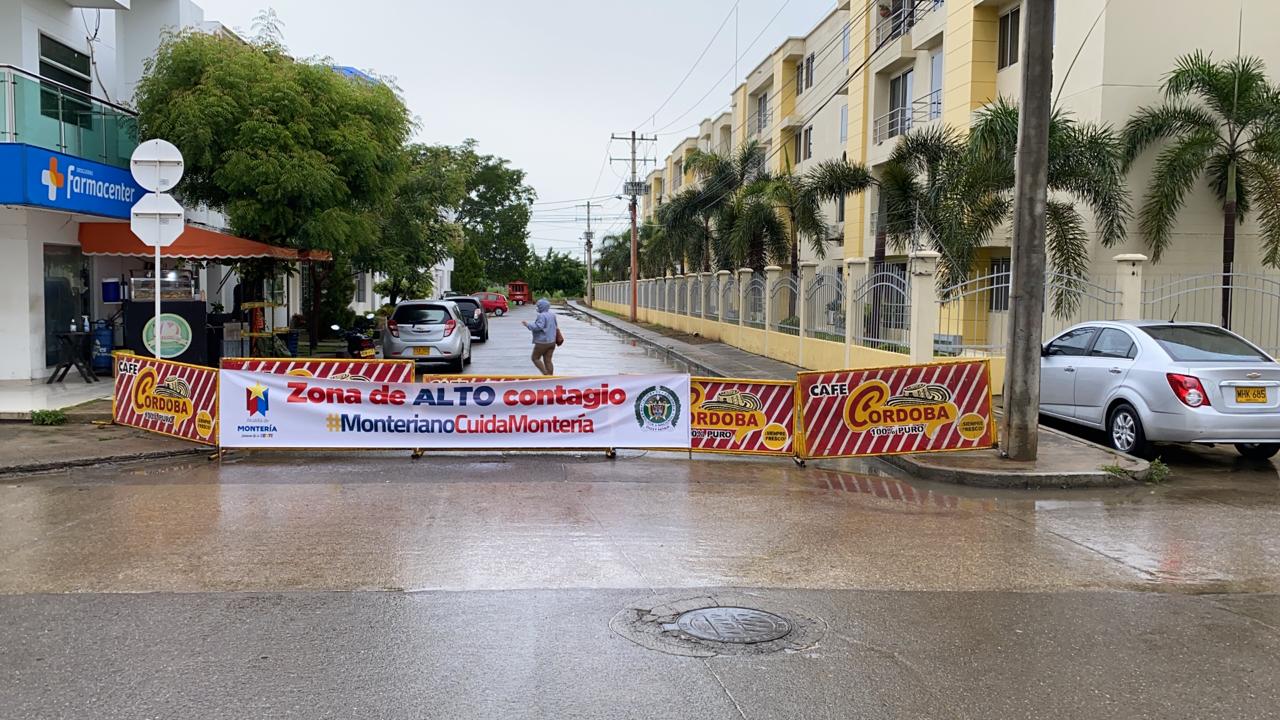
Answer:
x=48 y=417
x=1157 y=472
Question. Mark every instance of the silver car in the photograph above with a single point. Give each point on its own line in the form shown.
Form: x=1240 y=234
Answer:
x=1153 y=381
x=428 y=332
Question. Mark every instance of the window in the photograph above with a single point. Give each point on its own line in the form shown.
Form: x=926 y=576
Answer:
x=935 y=84
x=1203 y=343
x=799 y=78
x=70 y=68
x=998 y=300
x=1112 y=343
x=799 y=145
x=762 y=111
x=840 y=209
x=1073 y=343
x=808 y=71
x=1007 y=46
x=420 y=315
x=808 y=143
x=846 y=41
x=361 y=286
x=679 y=174
x=844 y=124
x=900 y=104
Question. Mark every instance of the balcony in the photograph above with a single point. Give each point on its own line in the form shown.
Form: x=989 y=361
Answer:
x=928 y=108
x=892 y=124
x=53 y=116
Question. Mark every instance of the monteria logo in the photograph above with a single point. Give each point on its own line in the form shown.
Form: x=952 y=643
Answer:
x=81 y=181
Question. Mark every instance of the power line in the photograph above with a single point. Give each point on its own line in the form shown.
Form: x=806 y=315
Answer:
x=694 y=66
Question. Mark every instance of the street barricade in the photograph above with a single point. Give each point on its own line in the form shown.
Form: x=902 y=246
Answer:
x=166 y=397
x=897 y=410
x=400 y=371
x=271 y=410
x=754 y=417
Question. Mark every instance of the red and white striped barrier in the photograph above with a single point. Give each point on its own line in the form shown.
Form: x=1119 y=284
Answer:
x=166 y=397
x=397 y=371
x=897 y=410
x=754 y=417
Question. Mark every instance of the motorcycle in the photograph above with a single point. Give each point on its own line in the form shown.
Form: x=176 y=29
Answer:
x=360 y=342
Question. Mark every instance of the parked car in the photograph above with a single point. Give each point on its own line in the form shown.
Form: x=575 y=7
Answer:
x=1153 y=381
x=429 y=332
x=493 y=302
x=473 y=314
x=518 y=292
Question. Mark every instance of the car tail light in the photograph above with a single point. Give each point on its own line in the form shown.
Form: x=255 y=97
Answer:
x=449 y=326
x=393 y=328
x=1189 y=390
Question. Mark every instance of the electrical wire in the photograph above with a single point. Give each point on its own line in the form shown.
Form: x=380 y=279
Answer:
x=701 y=55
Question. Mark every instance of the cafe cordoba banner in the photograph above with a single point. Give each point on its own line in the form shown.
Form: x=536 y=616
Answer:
x=265 y=410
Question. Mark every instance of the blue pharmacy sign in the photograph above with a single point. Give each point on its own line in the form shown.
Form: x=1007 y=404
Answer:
x=44 y=178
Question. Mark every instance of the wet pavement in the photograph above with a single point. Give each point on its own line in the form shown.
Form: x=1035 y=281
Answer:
x=369 y=585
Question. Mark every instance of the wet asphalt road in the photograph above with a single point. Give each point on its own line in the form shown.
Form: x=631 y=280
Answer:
x=489 y=586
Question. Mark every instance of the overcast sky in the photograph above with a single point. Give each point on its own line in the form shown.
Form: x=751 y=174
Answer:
x=543 y=83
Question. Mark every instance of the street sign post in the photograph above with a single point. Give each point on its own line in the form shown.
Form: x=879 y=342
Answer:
x=157 y=219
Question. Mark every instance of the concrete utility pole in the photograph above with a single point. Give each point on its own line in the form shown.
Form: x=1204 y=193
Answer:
x=634 y=188
x=587 y=237
x=1026 y=296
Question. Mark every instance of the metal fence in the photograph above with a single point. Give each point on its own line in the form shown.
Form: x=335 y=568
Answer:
x=729 y=300
x=783 y=297
x=824 y=307
x=681 y=298
x=755 y=303
x=711 y=299
x=695 y=296
x=881 y=308
x=1254 y=303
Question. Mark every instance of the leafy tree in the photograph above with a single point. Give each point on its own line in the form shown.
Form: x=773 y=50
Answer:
x=293 y=152
x=494 y=214
x=556 y=273
x=953 y=192
x=613 y=260
x=655 y=251
x=1221 y=120
x=700 y=222
x=468 y=269
x=416 y=229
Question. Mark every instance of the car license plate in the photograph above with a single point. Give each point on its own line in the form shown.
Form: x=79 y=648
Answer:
x=422 y=351
x=1251 y=395
x=367 y=353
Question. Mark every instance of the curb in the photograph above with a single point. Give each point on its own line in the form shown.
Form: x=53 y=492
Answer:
x=702 y=368
x=34 y=468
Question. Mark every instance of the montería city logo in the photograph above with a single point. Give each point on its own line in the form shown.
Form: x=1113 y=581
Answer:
x=52 y=179
x=657 y=408
x=79 y=180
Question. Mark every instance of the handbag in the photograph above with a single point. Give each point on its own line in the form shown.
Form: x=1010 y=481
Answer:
x=559 y=337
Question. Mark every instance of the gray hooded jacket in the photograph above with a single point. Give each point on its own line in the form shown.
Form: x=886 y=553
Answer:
x=544 y=327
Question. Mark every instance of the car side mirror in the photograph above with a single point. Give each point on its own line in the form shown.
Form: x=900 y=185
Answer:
x=1044 y=351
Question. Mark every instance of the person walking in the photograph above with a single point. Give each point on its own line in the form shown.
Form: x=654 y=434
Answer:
x=545 y=334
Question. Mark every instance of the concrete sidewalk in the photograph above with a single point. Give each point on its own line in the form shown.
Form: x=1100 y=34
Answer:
x=1064 y=460
x=26 y=448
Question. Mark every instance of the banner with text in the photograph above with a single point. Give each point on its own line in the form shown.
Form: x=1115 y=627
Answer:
x=743 y=416
x=166 y=397
x=897 y=410
x=335 y=368
x=263 y=410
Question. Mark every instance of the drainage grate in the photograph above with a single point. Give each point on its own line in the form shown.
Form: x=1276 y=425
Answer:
x=743 y=626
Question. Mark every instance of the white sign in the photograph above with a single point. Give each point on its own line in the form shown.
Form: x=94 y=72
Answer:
x=156 y=165
x=157 y=219
x=266 y=410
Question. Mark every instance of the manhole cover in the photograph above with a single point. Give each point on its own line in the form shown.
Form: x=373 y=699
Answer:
x=744 y=626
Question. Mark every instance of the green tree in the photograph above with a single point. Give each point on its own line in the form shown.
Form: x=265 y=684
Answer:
x=468 y=269
x=556 y=273
x=416 y=229
x=951 y=193
x=494 y=214
x=699 y=222
x=1221 y=120
x=613 y=259
x=294 y=153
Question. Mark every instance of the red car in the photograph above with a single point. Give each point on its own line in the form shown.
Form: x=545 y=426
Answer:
x=518 y=291
x=492 y=302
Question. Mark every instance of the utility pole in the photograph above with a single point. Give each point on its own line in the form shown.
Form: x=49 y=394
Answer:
x=634 y=188
x=587 y=237
x=1026 y=296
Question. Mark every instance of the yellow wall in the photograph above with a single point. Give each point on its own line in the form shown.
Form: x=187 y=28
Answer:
x=970 y=61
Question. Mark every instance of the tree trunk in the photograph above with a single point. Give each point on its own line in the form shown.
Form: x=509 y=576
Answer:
x=795 y=272
x=1228 y=244
x=313 y=317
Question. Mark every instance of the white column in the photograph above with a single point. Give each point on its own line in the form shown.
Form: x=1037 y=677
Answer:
x=1129 y=284
x=855 y=274
x=808 y=271
x=722 y=278
x=744 y=282
x=923 y=266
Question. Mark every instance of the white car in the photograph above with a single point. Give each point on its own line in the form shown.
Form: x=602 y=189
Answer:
x=1153 y=381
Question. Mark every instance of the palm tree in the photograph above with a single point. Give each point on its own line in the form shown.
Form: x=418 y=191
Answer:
x=1221 y=120
x=699 y=220
x=614 y=259
x=953 y=192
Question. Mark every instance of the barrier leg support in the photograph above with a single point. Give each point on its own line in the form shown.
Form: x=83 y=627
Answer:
x=417 y=454
x=611 y=453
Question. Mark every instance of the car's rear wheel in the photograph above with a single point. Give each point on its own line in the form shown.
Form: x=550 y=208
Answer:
x=1258 y=451
x=1124 y=430
x=499 y=312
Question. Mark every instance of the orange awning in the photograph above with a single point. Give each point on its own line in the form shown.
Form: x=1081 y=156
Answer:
x=100 y=238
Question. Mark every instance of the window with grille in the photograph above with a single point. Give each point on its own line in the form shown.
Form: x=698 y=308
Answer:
x=808 y=71
x=998 y=298
x=71 y=68
x=1007 y=46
